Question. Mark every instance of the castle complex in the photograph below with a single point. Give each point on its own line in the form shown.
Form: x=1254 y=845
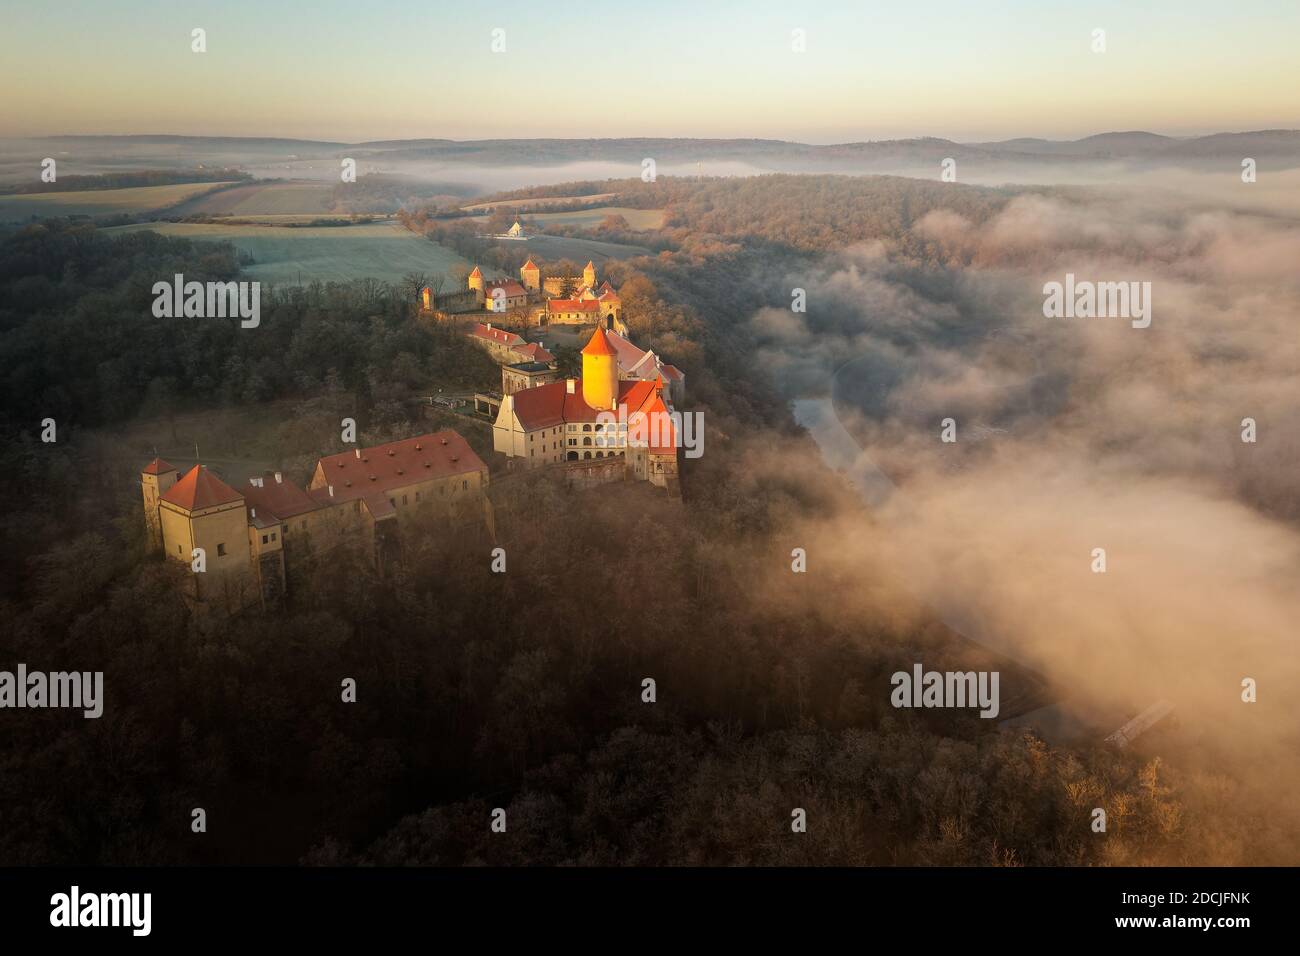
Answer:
x=604 y=415
x=564 y=300
x=614 y=422
x=237 y=541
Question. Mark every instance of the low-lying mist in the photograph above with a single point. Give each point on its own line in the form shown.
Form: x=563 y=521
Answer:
x=1074 y=434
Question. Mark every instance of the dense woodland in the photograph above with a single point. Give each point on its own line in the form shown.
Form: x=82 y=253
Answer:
x=128 y=179
x=478 y=690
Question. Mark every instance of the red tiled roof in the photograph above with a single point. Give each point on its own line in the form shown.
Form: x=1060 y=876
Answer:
x=476 y=273
x=509 y=286
x=661 y=432
x=199 y=489
x=394 y=465
x=572 y=305
x=280 y=499
x=535 y=353
x=551 y=404
x=628 y=354
x=380 y=507
x=598 y=344
x=530 y=266
x=499 y=336
x=158 y=467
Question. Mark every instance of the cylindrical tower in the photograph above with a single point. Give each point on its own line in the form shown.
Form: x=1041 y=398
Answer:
x=599 y=372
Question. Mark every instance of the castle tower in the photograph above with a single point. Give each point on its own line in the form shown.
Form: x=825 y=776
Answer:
x=599 y=372
x=589 y=275
x=476 y=280
x=202 y=511
x=531 y=276
x=155 y=480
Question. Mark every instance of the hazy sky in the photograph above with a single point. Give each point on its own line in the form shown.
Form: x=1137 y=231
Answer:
x=961 y=69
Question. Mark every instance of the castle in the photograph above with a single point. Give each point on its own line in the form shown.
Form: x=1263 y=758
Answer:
x=606 y=414
x=236 y=540
x=565 y=300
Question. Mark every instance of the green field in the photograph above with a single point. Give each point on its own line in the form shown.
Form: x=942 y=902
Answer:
x=286 y=256
x=257 y=200
x=98 y=202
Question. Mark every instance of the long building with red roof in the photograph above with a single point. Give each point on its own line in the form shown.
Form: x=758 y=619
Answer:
x=236 y=540
x=508 y=347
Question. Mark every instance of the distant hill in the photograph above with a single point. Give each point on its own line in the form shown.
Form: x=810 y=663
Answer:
x=1134 y=148
x=1103 y=144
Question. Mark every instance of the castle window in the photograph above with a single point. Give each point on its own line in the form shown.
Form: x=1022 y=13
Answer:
x=464 y=486
x=586 y=428
x=273 y=537
x=586 y=441
x=284 y=529
x=573 y=441
x=403 y=499
x=221 y=547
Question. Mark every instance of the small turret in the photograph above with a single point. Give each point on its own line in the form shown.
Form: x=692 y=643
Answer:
x=156 y=479
x=476 y=279
x=589 y=275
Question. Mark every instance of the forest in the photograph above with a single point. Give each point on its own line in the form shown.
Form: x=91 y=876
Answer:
x=520 y=691
x=128 y=179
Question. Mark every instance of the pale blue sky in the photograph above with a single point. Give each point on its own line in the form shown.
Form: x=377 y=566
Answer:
x=396 y=68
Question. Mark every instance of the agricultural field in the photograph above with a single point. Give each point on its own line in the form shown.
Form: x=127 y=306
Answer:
x=264 y=201
x=580 y=250
x=289 y=256
x=99 y=202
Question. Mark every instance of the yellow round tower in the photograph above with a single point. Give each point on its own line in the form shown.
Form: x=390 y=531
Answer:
x=599 y=372
x=476 y=279
x=589 y=275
